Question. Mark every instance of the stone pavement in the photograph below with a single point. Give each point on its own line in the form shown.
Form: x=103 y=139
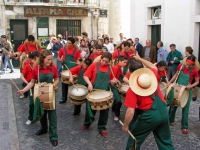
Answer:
x=70 y=135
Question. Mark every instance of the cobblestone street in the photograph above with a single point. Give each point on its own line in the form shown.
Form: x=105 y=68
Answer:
x=15 y=134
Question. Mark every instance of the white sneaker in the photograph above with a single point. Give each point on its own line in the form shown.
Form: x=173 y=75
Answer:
x=21 y=96
x=116 y=118
x=28 y=122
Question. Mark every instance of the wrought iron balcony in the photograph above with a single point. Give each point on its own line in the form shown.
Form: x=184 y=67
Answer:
x=83 y=3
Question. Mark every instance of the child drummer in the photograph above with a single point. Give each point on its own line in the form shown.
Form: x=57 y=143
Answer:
x=26 y=78
x=162 y=72
x=79 y=71
x=118 y=74
x=45 y=71
x=98 y=76
x=98 y=52
x=69 y=56
x=188 y=72
x=145 y=94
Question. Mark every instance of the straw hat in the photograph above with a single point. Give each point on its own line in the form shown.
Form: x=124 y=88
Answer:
x=143 y=82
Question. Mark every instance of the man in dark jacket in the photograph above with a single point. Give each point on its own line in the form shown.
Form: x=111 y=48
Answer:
x=138 y=47
x=149 y=51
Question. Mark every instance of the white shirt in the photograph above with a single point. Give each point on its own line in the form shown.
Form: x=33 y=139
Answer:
x=110 y=47
x=120 y=41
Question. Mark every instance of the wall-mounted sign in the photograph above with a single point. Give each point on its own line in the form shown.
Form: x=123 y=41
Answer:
x=30 y=11
x=102 y=13
x=153 y=21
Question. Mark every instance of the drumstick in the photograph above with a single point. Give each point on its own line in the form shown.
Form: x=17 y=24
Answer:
x=14 y=84
x=166 y=76
x=163 y=88
x=70 y=72
x=113 y=73
x=178 y=74
x=31 y=92
x=129 y=132
x=73 y=62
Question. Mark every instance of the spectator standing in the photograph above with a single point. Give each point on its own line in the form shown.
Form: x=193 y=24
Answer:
x=121 y=38
x=161 y=53
x=109 y=46
x=55 y=49
x=149 y=51
x=138 y=47
x=7 y=46
x=84 y=50
x=173 y=60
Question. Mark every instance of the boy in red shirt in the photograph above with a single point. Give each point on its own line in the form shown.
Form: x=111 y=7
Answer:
x=145 y=94
x=69 y=56
x=26 y=78
x=118 y=74
x=97 y=52
x=79 y=71
x=98 y=76
x=188 y=72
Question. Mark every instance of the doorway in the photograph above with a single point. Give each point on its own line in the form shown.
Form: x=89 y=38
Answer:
x=18 y=33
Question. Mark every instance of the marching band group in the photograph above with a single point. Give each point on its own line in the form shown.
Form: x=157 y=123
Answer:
x=103 y=72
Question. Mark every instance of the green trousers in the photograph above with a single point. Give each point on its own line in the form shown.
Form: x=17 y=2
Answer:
x=103 y=118
x=153 y=120
x=64 y=92
x=185 y=112
x=26 y=94
x=117 y=101
x=52 y=123
x=31 y=105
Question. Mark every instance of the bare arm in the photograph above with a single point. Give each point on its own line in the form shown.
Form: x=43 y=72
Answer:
x=28 y=87
x=125 y=79
x=87 y=80
x=59 y=59
x=173 y=78
x=145 y=62
x=23 y=79
x=194 y=84
x=128 y=117
x=55 y=83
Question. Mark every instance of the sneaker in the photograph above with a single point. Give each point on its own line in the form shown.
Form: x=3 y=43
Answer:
x=104 y=133
x=185 y=131
x=28 y=122
x=12 y=72
x=116 y=118
x=21 y=96
x=83 y=128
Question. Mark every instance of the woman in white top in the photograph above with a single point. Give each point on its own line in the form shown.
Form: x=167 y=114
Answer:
x=109 y=46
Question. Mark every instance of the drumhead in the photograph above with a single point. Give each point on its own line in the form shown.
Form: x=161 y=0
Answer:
x=78 y=91
x=65 y=72
x=99 y=95
x=184 y=98
x=124 y=87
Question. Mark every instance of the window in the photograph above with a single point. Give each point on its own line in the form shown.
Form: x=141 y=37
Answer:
x=156 y=12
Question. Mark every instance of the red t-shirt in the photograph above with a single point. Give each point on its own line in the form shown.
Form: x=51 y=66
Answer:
x=128 y=75
x=27 y=70
x=76 y=70
x=115 y=54
x=193 y=73
x=94 y=55
x=142 y=102
x=129 y=54
x=70 y=51
x=162 y=74
x=117 y=70
x=20 y=47
x=30 y=47
x=49 y=69
x=92 y=71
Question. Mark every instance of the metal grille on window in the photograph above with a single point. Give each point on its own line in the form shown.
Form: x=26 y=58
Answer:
x=68 y=27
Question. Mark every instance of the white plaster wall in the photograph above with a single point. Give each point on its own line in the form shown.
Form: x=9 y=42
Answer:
x=175 y=22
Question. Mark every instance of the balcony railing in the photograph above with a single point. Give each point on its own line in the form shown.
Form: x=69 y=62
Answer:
x=54 y=2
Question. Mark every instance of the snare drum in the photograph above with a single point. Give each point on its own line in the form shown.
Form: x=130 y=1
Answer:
x=65 y=77
x=77 y=95
x=100 y=99
x=122 y=90
x=163 y=88
x=181 y=95
x=46 y=94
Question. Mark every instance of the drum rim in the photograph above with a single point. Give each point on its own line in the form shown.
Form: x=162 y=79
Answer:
x=77 y=85
x=102 y=99
x=120 y=90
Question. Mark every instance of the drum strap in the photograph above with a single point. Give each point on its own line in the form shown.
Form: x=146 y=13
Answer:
x=28 y=48
x=190 y=70
x=67 y=53
x=98 y=67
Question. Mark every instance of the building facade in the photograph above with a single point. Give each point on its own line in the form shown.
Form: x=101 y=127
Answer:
x=43 y=17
